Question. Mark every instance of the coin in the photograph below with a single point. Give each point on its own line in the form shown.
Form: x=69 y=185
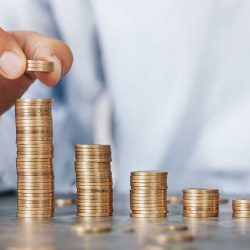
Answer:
x=199 y=190
x=150 y=173
x=84 y=214
x=148 y=215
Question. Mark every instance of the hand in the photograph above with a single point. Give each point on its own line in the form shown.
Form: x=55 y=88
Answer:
x=15 y=49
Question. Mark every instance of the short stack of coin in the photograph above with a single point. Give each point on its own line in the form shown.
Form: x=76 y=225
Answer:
x=148 y=194
x=34 y=163
x=241 y=208
x=200 y=203
x=94 y=180
x=40 y=66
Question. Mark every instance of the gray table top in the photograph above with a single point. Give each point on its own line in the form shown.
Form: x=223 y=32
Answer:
x=222 y=233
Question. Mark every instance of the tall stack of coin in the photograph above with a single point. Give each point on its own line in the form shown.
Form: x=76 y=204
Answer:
x=148 y=194
x=34 y=165
x=94 y=180
x=200 y=203
x=241 y=208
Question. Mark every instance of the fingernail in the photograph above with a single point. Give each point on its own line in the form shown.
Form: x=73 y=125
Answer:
x=11 y=64
x=58 y=65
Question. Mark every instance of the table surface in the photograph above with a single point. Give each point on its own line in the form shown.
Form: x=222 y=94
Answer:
x=220 y=233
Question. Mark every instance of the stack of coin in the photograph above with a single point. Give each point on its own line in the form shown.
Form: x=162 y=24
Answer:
x=241 y=208
x=200 y=203
x=35 y=183
x=39 y=66
x=93 y=180
x=148 y=194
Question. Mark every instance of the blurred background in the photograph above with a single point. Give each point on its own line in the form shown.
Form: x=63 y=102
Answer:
x=165 y=82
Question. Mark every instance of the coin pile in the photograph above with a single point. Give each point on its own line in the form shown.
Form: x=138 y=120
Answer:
x=35 y=183
x=200 y=203
x=40 y=66
x=148 y=194
x=94 y=180
x=241 y=208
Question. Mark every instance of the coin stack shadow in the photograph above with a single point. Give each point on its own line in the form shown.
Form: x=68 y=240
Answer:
x=200 y=203
x=148 y=194
x=241 y=208
x=34 y=163
x=94 y=180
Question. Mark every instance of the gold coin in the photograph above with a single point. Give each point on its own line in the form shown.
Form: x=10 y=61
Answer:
x=139 y=210
x=211 y=201
x=80 y=214
x=35 y=199
x=92 y=169
x=246 y=212
x=149 y=196
x=37 y=166
x=82 y=198
x=33 y=101
x=199 y=190
x=34 y=161
x=148 y=181
x=103 y=204
x=241 y=201
x=34 y=216
x=86 y=174
x=91 y=164
x=107 y=201
x=241 y=207
x=148 y=177
x=36 y=202
x=148 y=173
x=93 y=153
x=31 y=184
x=95 y=180
x=90 y=146
x=36 y=178
x=150 y=201
x=94 y=190
x=35 y=185
x=97 y=160
x=34 y=191
x=241 y=215
x=34 y=209
x=30 y=212
x=85 y=195
x=148 y=215
x=94 y=210
x=142 y=191
x=196 y=215
x=85 y=184
x=190 y=207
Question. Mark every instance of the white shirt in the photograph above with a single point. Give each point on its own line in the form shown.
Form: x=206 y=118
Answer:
x=177 y=77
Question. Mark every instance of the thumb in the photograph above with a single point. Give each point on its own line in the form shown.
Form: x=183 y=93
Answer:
x=12 y=58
